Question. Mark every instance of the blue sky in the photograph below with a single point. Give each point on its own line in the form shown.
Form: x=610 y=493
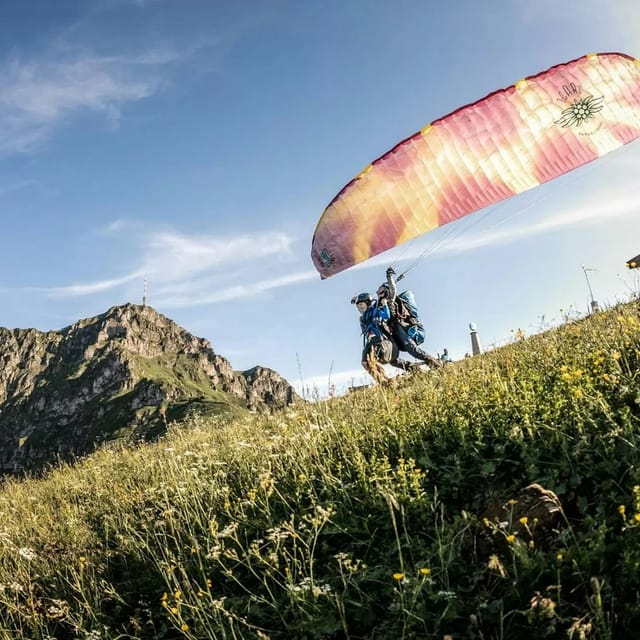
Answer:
x=196 y=143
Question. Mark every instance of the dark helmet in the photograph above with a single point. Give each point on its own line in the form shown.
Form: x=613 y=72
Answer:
x=383 y=290
x=362 y=297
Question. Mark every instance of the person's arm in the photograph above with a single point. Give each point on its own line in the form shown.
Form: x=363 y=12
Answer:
x=391 y=281
x=382 y=311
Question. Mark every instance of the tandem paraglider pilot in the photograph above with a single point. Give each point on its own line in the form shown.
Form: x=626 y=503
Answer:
x=378 y=346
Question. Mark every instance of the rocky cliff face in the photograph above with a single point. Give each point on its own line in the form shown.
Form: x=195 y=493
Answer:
x=121 y=375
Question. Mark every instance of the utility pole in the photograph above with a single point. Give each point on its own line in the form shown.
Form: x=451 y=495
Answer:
x=594 y=304
x=144 y=294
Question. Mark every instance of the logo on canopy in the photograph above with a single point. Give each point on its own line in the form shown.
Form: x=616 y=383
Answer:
x=326 y=258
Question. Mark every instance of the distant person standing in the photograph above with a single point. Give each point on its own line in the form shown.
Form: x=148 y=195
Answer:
x=445 y=357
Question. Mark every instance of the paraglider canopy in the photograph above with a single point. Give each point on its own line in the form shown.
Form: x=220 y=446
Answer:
x=510 y=141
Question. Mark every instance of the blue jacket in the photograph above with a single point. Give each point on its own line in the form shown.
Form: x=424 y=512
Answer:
x=372 y=322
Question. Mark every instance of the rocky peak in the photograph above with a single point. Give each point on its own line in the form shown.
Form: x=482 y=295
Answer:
x=117 y=374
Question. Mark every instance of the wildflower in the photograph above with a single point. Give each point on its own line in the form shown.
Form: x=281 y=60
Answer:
x=82 y=560
x=496 y=565
x=523 y=520
x=621 y=510
x=398 y=576
x=636 y=517
x=184 y=627
x=511 y=538
x=512 y=502
x=425 y=571
x=27 y=553
x=532 y=544
x=559 y=557
x=178 y=594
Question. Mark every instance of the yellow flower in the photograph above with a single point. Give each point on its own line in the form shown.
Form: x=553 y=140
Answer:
x=636 y=517
x=174 y=610
x=425 y=571
x=532 y=544
x=621 y=509
x=82 y=559
x=209 y=583
x=178 y=594
x=398 y=576
x=523 y=520
x=184 y=626
x=511 y=538
x=559 y=557
x=513 y=501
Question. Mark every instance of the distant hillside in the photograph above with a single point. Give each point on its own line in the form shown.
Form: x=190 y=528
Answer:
x=120 y=375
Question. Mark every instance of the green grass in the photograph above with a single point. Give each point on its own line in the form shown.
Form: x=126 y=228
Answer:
x=389 y=513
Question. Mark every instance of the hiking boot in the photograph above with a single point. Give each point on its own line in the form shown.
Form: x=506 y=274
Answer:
x=434 y=363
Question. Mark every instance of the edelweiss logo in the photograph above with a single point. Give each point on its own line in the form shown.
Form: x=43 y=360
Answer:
x=580 y=111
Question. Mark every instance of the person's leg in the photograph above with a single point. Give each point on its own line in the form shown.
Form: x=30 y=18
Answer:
x=405 y=365
x=405 y=343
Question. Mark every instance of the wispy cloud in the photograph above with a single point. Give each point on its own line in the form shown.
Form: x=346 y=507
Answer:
x=115 y=227
x=172 y=257
x=615 y=206
x=89 y=288
x=224 y=294
x=37 y=94
x=182 y=267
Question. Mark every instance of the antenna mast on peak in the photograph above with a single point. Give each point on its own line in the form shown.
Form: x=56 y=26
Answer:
x=144 y=294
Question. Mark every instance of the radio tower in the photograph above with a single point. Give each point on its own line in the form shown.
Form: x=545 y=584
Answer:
x=144 y=294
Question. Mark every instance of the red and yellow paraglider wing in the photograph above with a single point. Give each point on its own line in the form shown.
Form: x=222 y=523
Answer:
x=504 y=144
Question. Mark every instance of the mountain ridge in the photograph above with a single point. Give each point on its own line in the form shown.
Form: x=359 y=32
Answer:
x=122 y=374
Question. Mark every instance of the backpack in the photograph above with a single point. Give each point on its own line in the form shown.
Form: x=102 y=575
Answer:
x=408 y=312
x=408 y=309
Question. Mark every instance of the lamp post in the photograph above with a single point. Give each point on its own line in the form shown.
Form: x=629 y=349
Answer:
x=594 y=304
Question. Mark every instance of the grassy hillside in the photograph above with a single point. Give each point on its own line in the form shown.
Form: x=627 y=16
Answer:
x=390 y=513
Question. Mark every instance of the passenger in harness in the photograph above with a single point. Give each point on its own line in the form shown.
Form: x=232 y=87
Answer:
x=378 y=346
x=405 y=326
